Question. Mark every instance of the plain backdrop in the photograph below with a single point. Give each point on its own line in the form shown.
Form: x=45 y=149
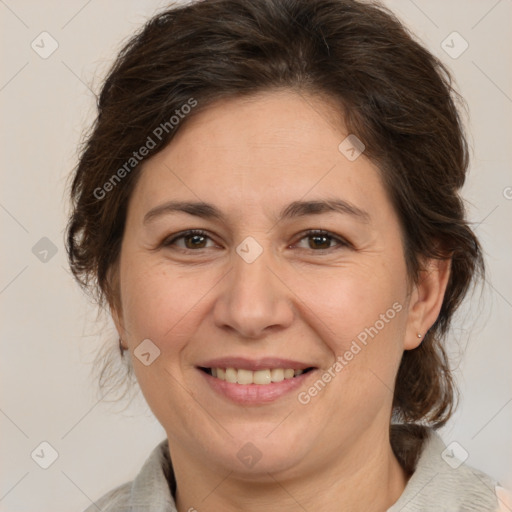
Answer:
x=49 y=333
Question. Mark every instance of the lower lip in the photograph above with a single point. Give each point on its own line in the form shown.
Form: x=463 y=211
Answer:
x=255 y=393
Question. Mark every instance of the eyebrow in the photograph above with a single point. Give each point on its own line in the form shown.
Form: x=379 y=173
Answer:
x=294 y=209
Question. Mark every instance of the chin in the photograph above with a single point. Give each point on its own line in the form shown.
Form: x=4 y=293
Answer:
x=257 y=451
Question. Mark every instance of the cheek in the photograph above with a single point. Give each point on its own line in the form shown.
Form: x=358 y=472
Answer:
x=157 y=302
x=351 y=302
x=161 y=306
x=168 y=305
x=362 y=314
x=366 y=317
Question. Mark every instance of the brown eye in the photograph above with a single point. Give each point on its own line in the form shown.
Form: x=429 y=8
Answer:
x=322 y=240
x=193 y=239
x=196 y=241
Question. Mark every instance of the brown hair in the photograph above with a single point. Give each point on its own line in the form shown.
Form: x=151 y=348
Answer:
x=392 y=93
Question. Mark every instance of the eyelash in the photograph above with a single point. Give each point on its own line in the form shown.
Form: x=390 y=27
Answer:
x=307 y=234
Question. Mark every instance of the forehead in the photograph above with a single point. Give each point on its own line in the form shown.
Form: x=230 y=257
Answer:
x=275 y=127
x=267 y=150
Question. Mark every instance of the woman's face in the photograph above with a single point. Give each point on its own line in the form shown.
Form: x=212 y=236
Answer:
x=254 y=291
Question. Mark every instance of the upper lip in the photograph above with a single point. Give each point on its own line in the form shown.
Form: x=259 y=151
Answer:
x=264 y=363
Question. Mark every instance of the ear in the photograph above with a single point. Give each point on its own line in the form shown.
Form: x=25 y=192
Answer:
x=117 y=316
x=114 y=302
x=426 y=300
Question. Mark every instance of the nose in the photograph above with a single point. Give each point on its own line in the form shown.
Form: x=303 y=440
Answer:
x=254 y=299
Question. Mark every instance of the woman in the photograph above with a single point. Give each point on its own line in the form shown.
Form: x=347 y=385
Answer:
x=269 y=204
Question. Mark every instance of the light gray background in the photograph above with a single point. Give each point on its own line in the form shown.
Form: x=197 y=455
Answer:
x=49 y=334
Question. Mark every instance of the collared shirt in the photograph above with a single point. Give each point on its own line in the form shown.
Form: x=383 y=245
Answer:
x=440 y=483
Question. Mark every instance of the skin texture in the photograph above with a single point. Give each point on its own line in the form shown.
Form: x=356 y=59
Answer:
x=303 y=298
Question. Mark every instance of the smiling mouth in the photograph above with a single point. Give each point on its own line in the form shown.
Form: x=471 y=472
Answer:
x=262 y=377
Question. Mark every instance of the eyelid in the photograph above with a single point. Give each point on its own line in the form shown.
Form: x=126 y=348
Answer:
x=319 y=232
x=168 y=241
x=342 y=242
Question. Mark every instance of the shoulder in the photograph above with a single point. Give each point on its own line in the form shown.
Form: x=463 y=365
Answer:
x=116 y=500
x=151 y=490
x=442 y=482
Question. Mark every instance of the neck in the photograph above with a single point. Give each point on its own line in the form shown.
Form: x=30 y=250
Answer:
x=366 y=478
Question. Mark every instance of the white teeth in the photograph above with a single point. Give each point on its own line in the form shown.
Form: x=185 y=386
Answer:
x=231 y=375
x=244 y=377
x=262 y=377
x=277 y=374
x=289 y=373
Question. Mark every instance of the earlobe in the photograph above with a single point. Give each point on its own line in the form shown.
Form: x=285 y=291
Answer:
x=115 y=313
x=114 y=301
x=117 y=318
x=426 y=300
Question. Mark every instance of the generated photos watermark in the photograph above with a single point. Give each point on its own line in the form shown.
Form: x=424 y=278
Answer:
x=137 y=156
x=361 y=340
